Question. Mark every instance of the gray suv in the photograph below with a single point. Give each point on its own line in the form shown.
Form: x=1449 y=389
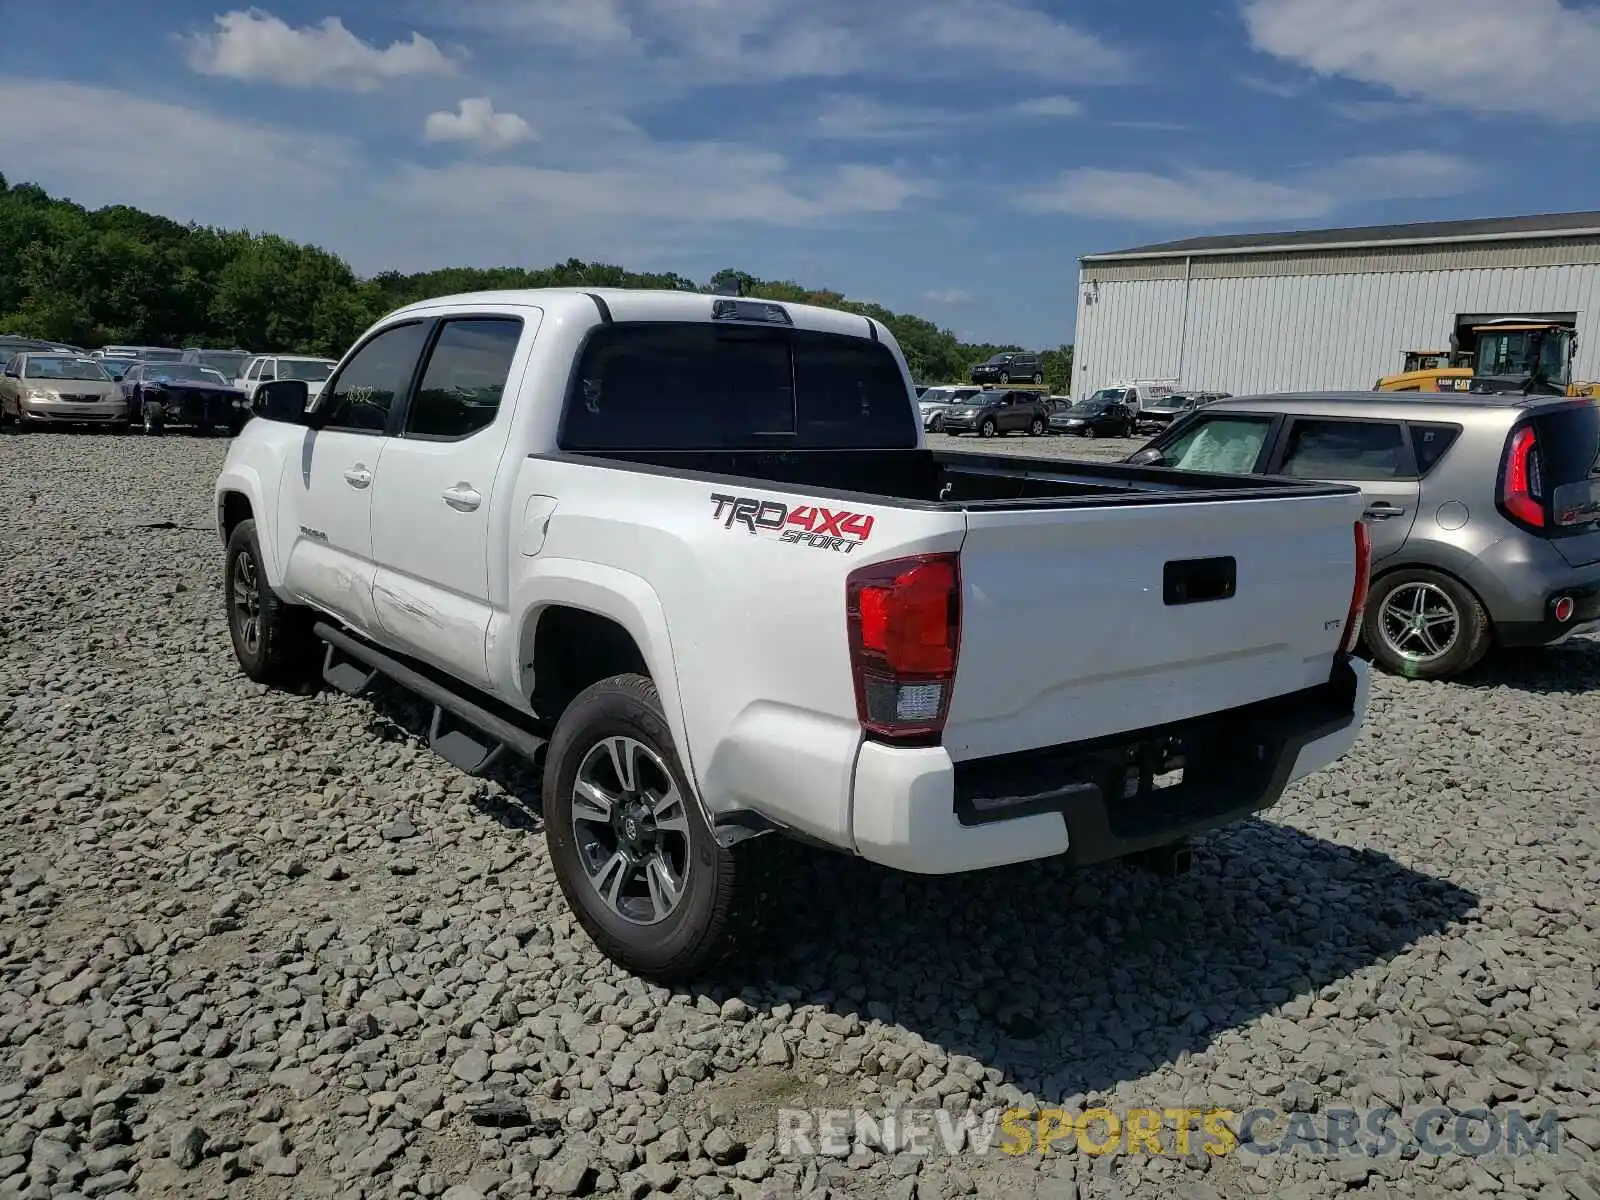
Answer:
x=1484 y=512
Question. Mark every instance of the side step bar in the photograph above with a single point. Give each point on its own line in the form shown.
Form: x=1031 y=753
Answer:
x=352 y=666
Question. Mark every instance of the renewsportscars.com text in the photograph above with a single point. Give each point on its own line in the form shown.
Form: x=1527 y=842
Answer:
x=1332 y=1133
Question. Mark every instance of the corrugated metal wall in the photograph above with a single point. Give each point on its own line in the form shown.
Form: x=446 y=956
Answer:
x=1276 y=331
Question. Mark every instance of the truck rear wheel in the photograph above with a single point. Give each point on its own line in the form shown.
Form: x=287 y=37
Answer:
x=272 y=640
x=633 y=853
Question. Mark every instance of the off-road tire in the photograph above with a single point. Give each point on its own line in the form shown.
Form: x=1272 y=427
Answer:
x=286 y=653
x=724 y=893
x=1475 y=639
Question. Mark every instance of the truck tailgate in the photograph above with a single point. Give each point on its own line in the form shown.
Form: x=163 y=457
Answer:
x=1073 y=628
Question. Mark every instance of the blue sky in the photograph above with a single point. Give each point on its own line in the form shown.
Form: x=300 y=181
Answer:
x=950 y=157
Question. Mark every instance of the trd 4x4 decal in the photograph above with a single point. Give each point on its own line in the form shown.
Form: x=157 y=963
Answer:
x=804 y=525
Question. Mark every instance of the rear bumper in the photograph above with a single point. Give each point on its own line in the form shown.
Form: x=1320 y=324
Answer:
x=1548 y=631
x=915 y=810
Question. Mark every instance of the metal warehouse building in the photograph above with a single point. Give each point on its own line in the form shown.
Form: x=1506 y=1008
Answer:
x=1329 y=308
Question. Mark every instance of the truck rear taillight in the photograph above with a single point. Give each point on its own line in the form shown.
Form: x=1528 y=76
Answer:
x=904 y=620
x=1359 y=590
x=1522 y=479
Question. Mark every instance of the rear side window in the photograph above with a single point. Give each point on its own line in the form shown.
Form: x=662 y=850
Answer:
x=694 y=386
x=1346 y=450
x=1430 y=442
x=465 y=378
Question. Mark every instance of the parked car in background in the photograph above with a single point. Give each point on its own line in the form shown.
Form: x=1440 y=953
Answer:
x=229 y=364
x=48 y=388
x=267 y=367
x=1014 y=366
x=1094 y=417
x=997 y=412
x=139 y=353
x=11 y=346
x=115 y=365
x=1163 y=410
x=1484 y=512
x=160 y=394
x=936 y=403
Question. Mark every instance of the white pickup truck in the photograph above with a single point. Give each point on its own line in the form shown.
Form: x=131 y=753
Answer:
x=692 y=550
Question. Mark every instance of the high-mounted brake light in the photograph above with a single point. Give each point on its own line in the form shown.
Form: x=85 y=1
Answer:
x=1522 y=492
x=904 y=621
x=1359 y=590
x=759 y=311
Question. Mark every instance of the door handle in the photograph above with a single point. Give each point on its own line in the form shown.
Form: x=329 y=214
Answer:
x=463 y=497
x=358 y=476
x=1383 y=510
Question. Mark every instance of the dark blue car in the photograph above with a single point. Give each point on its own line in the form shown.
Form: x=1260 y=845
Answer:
x=171 y=393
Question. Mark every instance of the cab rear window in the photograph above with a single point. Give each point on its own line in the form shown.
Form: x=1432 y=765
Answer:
x=696 y=386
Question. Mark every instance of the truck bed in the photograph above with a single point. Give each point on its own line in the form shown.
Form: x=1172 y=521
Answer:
x=926 y=478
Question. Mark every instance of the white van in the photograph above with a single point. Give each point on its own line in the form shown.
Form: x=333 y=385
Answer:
x=1137 y=394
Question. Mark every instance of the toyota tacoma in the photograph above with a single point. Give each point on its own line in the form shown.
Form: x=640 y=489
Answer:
x=692 y=553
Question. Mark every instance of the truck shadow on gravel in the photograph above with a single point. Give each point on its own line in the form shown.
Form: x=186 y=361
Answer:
x=1071 y=982
x=1068 y=982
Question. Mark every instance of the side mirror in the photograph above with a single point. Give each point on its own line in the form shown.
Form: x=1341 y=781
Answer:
x=116 y=379
x=283 y=400
x=1148 y=457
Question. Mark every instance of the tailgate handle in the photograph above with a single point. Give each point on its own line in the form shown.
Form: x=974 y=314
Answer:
x=1196 y=580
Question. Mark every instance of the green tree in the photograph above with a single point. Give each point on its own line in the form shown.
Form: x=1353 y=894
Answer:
x=118 y=274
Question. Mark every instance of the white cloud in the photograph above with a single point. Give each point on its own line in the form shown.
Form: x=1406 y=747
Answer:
x=1375 y=110
x=1284 y=89
x=717 y=41
x=1489 y=56
x=476 y=122
x=102 y=146
x=120 y=148
x=694 y=182
x=1050 y=106
x=861 y=118
x=949 y=296
x=599 y=25
x=1199 y=196
x=1016 y=35
x=845 y=117
x=254 y=45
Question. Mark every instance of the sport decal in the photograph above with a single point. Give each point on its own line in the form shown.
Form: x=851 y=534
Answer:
x=804 y=525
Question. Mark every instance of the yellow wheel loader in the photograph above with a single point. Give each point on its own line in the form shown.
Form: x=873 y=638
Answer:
x=1508 y=354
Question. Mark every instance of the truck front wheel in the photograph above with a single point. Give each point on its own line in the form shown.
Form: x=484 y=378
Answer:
x=272 y=640
x=631 y=848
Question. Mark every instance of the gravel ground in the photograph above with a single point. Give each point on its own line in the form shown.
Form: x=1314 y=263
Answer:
x=260 y=945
